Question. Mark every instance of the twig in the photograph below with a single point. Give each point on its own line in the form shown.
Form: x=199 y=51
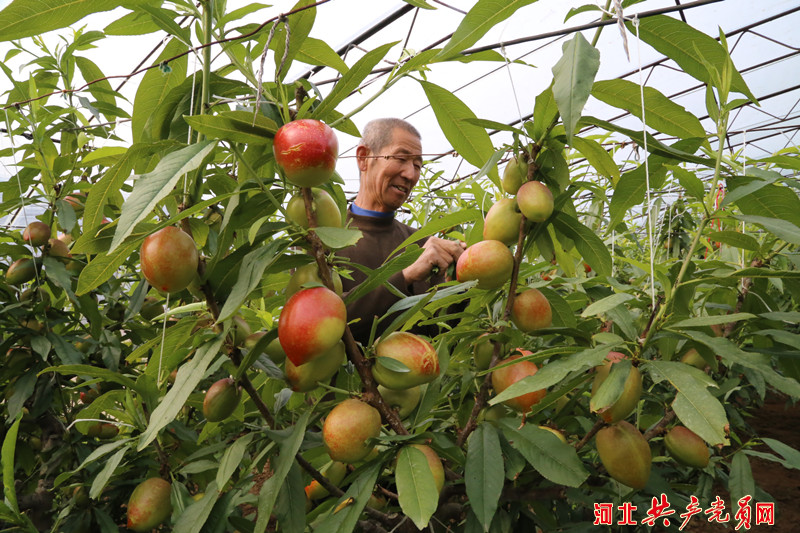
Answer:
x=661 y=427
x=336 y=491
x=372 y=396
x=483 y=393
x=652 y=318
x=586 y=438
x=236 y=356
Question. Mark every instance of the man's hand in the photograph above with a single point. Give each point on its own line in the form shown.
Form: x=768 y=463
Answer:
x=437 y=253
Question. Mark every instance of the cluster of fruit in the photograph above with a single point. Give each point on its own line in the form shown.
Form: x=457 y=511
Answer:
x=314 y=318
x=37 y=234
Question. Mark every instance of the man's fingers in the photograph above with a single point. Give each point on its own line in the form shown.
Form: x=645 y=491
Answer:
x=446 y=246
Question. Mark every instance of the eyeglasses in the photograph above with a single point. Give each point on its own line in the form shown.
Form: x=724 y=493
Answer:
x=402 y=159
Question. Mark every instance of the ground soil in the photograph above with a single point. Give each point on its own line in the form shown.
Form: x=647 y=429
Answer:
x=779 y=420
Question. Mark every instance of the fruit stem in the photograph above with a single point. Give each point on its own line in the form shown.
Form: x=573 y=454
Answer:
x=336 y=491
x=235 y=355
x=483 y=393
x=661 y=426
x=592 y=432
x=372 y=396
x=247 y=385
x=205 y=90
x=333 y=389
x=605 y=16
x=655 y=322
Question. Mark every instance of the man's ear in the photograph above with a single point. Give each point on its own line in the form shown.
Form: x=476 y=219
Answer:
x=361 y=159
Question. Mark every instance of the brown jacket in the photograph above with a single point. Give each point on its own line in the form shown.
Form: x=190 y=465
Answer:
x=380 y=237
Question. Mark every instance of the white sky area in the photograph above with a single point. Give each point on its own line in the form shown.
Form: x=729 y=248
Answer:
x=494 y=91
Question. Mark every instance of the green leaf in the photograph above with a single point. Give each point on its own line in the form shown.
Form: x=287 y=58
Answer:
x=711 y=320
x=94 y=372
x=786 y=316
x=563 y=316
x=101 y=90
x=555 y=371
x=103 y=267
x=588 y=244
x=317 y=52
x=416 y=488
x=235 y=126
x=783 y=229
x=189 y=376
x=771 y=201
x=102 y=478
x=605 y=304
x=390 y=363
x=419 y=3
x=109 y=185
x=493 y=125
x=578 y=10
x=196 y=515
x=490 y=165
x=232 y=458
x=613 y=386
x=483 y=16
x=471 y=142
x=379 y=276
x=654 y=146
x=150 y=188
x=782 y=161
x=22 y=390
x=631 y=190
x=741 y=481
x=742 y=191
x=552 y=458
x=689 y=181
x=136 y=23
x=290 y=509
x=691 y=49
x=57 y=273
x=760 y=363
x=695 y=406
x=7 y=455
x=789 y=454
x=662 y=114
x=269 y=491
x=300 y=25
x=462 y=216
x=573 y=76
x=155 y=86
x=165 y=19
x=598 y=157
x=337 y=238
x=350 y=81
x=735 y=239
x=250 y=276
x=27 y=18
x=484 y=473
x=545 y=111
x=99 y=452
x=361 y=490
x=753 y=272
x=236 y=14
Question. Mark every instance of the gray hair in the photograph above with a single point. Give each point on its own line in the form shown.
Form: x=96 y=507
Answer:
x=378 y=132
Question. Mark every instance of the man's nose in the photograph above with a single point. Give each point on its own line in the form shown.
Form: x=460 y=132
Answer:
x=410 y=170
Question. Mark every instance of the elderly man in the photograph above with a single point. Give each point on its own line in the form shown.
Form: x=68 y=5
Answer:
x=389 y=160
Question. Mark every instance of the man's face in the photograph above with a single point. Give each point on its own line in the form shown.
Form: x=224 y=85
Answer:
x=387 y=180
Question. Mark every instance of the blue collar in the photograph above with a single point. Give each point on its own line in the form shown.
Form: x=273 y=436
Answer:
x=369 y=213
